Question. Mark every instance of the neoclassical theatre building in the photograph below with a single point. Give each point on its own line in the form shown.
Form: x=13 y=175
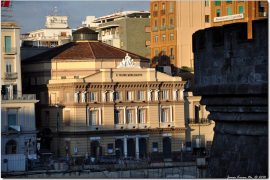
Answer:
x=101 y=100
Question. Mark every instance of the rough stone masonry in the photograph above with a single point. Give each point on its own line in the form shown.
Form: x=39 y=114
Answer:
x=231 y=75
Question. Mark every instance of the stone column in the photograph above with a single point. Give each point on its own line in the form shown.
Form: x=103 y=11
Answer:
x=125 y=116
x=137 y=148
x=111 y=96
x=171 y=114
x=136 y=114
x=232 y=80
x=125 y=146
x=156 y=95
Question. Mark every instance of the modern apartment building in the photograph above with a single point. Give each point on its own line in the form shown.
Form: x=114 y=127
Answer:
x=18 y=130
x=227 y=12
x=57 y=32
x=128 y=30
x=172 y=25
x=102 y=100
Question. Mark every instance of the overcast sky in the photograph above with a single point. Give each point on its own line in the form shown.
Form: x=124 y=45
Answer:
x=30 y=15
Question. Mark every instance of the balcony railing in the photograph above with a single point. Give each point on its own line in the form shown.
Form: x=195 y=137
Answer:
x=11 y=50
x=154 y=29
x=10 y=76
x=162 y=27
x=22 y=97
x=199 y=121
x=162 y=12
x=171 y=26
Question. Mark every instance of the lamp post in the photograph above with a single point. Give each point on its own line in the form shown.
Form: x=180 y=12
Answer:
x=57 y=129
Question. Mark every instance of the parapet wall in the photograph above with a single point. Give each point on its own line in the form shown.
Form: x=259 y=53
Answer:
x=231 y=75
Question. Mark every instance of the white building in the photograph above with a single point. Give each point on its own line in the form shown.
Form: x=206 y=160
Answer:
x=57 y=32
x=18 y=126
x=89 y=22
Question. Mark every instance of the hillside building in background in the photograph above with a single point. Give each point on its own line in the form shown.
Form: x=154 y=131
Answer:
x=128 y=30
x=57 y=32
x=227 y=12
x=18 y=126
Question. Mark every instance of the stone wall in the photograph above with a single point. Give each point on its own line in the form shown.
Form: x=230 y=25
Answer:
x=231 y=76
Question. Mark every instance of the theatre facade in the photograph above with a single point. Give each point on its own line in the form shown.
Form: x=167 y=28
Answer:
x=115 y=105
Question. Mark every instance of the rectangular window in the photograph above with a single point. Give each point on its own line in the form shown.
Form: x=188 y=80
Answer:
x=163 y=22
x=93 y=118
x=156 y=23
x=117 y=117
x=240 y=9
x=164 y=37
x=217 y=2
x=110 y=148
x=163 y=6
x=206 y=3
x=155 y=147
x=12 y=119
x=229 y=11
x=164 y=115
x=93 y=96
x=156 y=39
x=218 y=13
x=8 y=44
x=171 y=36
x=67 y=117
x=172 y=51
x=197 y=113
x=8 y=67
x=171 y=21
x=141 y=114
x=117 y=96
x=206 y=18
x=129 y=116
x=129 y=96
x=156 y=52
x=165 y=94
x=171 y=7
x=141 y=96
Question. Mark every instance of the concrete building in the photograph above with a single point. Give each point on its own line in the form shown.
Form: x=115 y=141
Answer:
x=57 y=32
x=227 y=12
x=128 y=30
x=18 y=130
x=102 y=100
x=231 y=75
x=172 y=25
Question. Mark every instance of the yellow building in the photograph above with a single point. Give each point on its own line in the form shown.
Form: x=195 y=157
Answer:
x=227 y=12
x=101 y=100
x=173 y=23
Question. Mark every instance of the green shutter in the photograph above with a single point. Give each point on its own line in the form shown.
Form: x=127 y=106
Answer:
x=7 y=44
x=229 y=11
x=241 y=9
x=217 y=2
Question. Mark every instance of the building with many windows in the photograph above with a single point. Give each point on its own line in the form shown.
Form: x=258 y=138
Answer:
x=227 y=12
x=18 y=130
x=57 y=32
x=128 y=30
x=102 y=100
x=172 y=25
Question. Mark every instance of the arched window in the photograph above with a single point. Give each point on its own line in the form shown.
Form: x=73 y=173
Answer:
x=11 y=147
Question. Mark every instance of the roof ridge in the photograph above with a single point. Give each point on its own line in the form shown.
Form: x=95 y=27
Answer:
x=89 y=44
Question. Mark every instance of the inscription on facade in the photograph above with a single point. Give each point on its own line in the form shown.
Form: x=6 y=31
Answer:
x=128 y=75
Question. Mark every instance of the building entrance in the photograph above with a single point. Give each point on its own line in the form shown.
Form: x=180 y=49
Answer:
x=142 y=148
x=131 y=148
x=167 y=147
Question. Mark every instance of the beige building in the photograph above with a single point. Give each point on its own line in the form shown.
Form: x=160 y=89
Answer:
x=101 y=100
x=57 y=32
x=18 y=129
x=172 y=24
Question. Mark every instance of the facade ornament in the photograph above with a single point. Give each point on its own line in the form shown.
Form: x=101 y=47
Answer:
x=84 y=97
x=127 y=62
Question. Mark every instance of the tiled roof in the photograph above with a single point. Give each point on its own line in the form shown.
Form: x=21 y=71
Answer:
x=83 y=50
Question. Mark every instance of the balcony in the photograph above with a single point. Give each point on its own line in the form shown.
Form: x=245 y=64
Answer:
x=155 y=29
x=11 y=76
x=16 y=98
x=162 y=28
x=199 y=121
x=10 y=51
x=162 y=12
x=171 y=26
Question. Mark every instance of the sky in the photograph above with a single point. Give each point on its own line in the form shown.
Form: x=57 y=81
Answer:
x=30 y=15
